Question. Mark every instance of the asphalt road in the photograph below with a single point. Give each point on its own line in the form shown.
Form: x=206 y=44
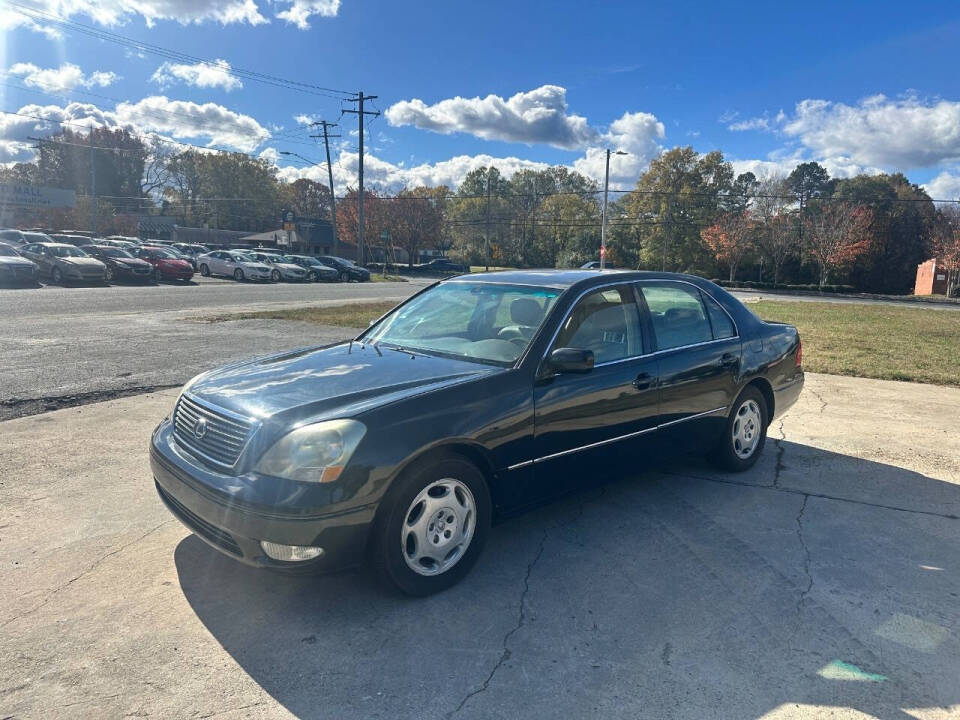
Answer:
x=64 y=345
x=823 y=583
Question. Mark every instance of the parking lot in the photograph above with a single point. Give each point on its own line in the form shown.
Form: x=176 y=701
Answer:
x=823 y=583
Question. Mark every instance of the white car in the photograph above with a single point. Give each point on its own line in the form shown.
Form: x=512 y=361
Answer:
x=282 y=270
x=233 y=263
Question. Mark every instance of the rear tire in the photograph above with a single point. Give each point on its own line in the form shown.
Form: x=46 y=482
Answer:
x=404 y=552
x=745 y=433
x=157 y=275
x=204 y=270
x=344 y=277
x=275 y=276
x=238 y=275
x=56 y=275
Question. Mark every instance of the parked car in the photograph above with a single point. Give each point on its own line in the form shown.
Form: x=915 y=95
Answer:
x=114 y=242
x=63 y=263
x=442 y=265
x=16 y=269
x=190 y=250
x=76 y=240
x=595 y=265
x=121 y=264
x=11 y=237
x=280 y=269
x=35 y=236
x=476 y=397
x=316 y=270
x=347 y=270
x=235 y=264
x=167 y=265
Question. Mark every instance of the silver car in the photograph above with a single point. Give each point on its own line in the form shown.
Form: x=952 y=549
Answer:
x=280 y=268
x=64 y=263
x=233 y=263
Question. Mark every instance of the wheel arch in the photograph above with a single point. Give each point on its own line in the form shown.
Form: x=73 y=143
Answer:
x=766 y=389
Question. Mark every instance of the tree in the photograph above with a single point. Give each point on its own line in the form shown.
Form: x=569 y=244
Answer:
x=809 y=180
x=946 y=245
x=681 y=192
x=836 y=233
x=730 y=239
x=415 y=217
x=776 y=236
x=307 y=198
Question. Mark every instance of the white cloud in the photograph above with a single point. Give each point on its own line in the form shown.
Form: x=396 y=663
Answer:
x=184 y=121
x=638 y=134
x=66 y=77
x=945 y=186
x=215 y=74
x=300 y=11
x=537 y=116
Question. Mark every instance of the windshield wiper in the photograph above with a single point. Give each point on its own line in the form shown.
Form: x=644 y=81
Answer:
x=408 y=351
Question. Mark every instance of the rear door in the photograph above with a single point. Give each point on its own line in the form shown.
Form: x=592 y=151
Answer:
x=699 y=351
x=583 y=422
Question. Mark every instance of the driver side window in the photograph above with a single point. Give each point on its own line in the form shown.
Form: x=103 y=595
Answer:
x=605 y=321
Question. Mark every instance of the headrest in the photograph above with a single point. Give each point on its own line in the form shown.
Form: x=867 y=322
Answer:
x=525 y=311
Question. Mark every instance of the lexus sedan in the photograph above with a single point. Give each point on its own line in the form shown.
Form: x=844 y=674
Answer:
x=280 y=268
x=473 y=399
x=316 y=270
x=167 y=265
x=346 y=269
x=16 y=269
x=233 y=263
x=63 y=263
x=121 y=265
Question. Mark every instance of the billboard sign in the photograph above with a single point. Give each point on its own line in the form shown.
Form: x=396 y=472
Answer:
x=35 y=196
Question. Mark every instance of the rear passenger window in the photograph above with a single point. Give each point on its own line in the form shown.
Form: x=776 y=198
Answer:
x=678 y=315
x=719 y=320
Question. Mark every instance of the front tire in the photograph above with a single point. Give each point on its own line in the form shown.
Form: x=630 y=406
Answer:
x=108 y=274
x=313 y=277
x=157 y=275
x=238 y=275
x=432 y=526
x=344 y=277
x=204 y=270
x=745 y=433
x=56 y=275
x=275 y=276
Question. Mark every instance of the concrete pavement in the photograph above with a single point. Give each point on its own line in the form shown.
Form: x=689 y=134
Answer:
x=822 y=583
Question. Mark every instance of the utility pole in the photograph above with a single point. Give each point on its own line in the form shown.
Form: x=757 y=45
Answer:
x=603 y=218
x=333 y=200
x=487 y=233
x=93 y=182
x=360 y=112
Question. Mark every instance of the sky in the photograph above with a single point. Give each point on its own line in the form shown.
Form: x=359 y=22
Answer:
x=857 y=86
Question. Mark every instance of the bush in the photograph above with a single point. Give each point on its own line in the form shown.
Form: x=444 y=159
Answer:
x=811 y=287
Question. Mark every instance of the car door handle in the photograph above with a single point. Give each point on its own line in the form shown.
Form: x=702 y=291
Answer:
x=729 y=360
x=643 y=381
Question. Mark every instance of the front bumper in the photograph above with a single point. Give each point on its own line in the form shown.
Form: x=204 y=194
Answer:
x=199 y=498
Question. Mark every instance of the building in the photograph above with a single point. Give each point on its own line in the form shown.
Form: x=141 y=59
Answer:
x=931 y=279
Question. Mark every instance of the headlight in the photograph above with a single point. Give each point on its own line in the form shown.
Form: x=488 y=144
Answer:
x=313 y=453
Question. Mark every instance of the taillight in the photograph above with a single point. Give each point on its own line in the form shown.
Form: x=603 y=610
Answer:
x=799 y=354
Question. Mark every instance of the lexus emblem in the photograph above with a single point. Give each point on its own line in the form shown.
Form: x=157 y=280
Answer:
x=200 y=428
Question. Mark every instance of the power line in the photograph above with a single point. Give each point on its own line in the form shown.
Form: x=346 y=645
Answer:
x=360 y=113
x=76 y=27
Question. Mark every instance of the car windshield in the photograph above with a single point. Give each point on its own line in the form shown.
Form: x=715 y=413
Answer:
x=482 y=322
x=115 y=252
x=67 y=251
x=7 y=251
x=243 y=257
x=162 y=253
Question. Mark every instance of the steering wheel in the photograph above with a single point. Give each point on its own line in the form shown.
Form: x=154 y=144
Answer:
x=510 y=333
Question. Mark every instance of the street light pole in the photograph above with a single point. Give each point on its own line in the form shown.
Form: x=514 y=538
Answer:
x=603 y=220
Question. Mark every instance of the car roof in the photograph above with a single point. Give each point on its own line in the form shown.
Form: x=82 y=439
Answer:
x=44 y=244
x=564 y=278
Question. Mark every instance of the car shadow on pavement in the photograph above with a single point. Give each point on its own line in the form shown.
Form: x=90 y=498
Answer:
x=815 y=579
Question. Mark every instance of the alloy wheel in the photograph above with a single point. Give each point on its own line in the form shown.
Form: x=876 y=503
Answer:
x=746 y=429
x=438 y=527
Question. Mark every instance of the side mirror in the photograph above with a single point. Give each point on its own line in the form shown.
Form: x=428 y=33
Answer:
x=570 y=360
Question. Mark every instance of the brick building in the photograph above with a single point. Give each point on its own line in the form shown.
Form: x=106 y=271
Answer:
x=931 y=280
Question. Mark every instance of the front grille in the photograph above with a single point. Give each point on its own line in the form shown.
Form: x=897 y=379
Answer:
x=224 y=436
x=220 y=538
x=23 y=273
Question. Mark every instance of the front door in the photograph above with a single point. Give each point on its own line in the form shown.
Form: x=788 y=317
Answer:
x=582 y=422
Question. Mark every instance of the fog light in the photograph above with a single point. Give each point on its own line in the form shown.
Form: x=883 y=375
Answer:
x=290 y=553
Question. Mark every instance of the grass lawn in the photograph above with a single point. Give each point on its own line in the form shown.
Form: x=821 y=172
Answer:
x=875 y=341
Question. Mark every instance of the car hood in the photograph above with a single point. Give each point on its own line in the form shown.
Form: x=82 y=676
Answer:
x=254 y=266
x=80 y=261
x=14 y=260
x=338 y=381
x=289 y=267
x=132 y=262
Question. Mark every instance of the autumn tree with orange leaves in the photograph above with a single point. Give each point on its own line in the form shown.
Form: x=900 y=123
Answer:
x=835 y=234
x=946 y=246
x=730 y=239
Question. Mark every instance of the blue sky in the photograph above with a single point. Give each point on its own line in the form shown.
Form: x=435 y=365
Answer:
x=859 y=86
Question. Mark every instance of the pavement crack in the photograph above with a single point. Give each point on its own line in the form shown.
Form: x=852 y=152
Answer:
x=521 y=620
x=781 y=449
x=90 y=568
x=819 y=397
x=806 y=555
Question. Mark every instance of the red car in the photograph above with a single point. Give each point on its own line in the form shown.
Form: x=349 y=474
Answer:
x=166 y=264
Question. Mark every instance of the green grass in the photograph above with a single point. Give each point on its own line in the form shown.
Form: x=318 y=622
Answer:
x=356 y=315
x=874 y=341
